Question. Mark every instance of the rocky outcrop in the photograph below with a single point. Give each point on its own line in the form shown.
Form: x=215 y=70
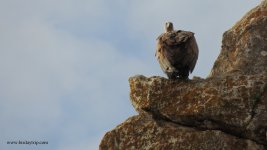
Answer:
x=143 y=132
x=227 y=110
x=244 y=46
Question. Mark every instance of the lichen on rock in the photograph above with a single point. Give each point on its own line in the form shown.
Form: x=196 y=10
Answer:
x=227 y=110
x=143 y=132
x=244 y=46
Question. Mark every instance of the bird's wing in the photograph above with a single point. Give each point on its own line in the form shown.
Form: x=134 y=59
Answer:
x=193 y=53
x=163 y=61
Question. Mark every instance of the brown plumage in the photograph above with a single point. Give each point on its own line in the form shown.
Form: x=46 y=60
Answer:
x=177 y=52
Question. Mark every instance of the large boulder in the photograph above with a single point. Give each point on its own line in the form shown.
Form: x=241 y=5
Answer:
x=144 y=132
x=244 y=46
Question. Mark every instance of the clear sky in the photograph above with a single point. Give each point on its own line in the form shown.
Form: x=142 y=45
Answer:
x=65 y=64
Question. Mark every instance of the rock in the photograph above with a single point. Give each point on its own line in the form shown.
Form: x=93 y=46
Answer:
x=227 y=110
x=244 y=47
x=143 y=132
x=232 y=104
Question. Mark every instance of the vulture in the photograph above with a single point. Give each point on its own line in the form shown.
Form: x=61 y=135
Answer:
x=177 y=52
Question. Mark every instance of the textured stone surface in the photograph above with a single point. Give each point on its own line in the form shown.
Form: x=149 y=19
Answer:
x=143 y=132
x=228 y=110
x=244 y=46
x=233 y=103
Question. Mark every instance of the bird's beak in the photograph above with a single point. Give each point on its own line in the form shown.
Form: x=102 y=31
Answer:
x=167 y=25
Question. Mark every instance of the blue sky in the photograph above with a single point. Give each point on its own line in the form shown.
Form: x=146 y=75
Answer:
x=65 y=64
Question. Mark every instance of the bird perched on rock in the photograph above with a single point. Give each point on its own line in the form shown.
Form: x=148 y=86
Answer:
x=177 y=52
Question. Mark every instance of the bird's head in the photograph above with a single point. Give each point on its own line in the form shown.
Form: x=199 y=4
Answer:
x=168 y=27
